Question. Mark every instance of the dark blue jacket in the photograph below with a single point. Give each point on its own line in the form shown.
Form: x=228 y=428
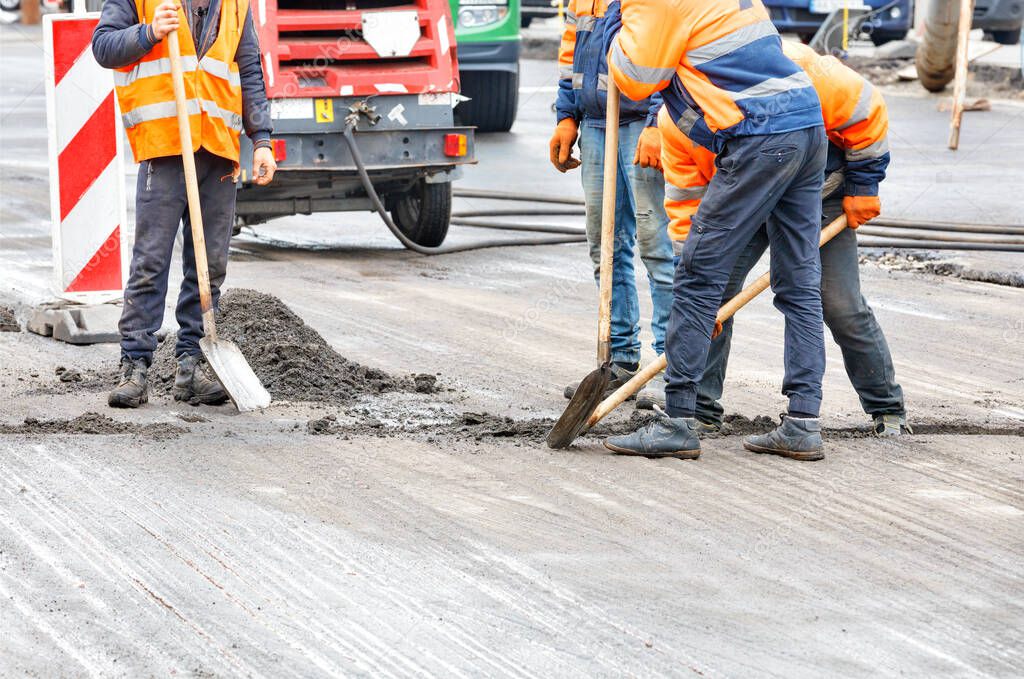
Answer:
x=120 y=40
x=583 y=93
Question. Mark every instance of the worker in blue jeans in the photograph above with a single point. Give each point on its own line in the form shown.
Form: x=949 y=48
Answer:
x=848 y=316
x=640 y=218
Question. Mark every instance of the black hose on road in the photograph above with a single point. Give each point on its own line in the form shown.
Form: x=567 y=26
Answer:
x=378 y=205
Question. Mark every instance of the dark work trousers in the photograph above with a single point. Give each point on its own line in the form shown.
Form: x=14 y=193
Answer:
x=160 y=207
x=847 y=314
x=773 y=180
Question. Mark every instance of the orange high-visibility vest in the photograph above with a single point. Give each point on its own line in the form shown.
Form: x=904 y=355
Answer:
x=213 y=90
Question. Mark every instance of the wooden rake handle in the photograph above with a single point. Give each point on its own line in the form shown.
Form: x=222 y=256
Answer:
x=611 y=176
x=192 y=187
x=726 y=312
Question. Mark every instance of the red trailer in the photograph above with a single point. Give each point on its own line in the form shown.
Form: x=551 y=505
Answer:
x=385 y=67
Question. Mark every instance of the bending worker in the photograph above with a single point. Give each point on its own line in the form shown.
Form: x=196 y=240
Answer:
x=225 y=92
x=639 y=196
x=727 y=84
x=857 y=123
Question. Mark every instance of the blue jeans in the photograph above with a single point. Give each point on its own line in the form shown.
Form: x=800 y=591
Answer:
x=160 y=208
x=773 y=180
x=847 y=314
x=640 y=219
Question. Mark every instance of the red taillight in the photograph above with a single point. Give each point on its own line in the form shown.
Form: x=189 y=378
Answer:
x=455 y=145
x=280 y=150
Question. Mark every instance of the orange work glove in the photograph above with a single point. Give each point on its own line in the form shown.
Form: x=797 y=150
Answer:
x=561 y=145
x=648 y=149
x=861 y=209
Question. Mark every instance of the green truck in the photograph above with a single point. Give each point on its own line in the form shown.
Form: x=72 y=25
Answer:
x=487 y=33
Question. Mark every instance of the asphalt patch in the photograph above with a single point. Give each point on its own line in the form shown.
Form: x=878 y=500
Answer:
x=92 y=424
x=293 y=361
x=924 y=262
x=983 y=80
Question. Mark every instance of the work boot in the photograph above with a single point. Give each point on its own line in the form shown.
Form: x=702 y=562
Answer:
x=798 y=438
x=653 y=394
x=888 y=425
x=191 y=383
x=132 y=390
x=665 y=437
x=620 y=375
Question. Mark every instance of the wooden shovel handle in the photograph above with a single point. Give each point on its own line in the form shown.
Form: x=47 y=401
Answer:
x=192 y=187
x=611 y=176
x=960 y=74
x=725 y=312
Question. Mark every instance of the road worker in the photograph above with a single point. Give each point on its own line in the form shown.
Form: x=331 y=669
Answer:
x=857 y=124
x=225 y=92
x=640 y=217
x=727 y=84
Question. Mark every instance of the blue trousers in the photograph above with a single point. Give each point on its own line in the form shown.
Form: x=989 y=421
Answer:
x=771 y=180
x=160 y=208
x=847 y=314
x=640 y=220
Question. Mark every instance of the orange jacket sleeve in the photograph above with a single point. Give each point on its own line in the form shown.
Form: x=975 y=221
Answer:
x=685 y=179
x=856 y=118
x=648 y=48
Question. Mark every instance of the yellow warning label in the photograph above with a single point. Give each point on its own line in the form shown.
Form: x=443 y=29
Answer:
x=324 y=110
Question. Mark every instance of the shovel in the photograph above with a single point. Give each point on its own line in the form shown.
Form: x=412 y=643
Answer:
x=593 y=386
x=224 y=357
x=637 y=382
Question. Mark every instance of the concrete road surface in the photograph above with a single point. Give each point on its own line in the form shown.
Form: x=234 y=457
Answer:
x=205 y=543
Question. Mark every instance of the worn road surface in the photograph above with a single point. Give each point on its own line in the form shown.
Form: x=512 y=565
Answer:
x=215 y=544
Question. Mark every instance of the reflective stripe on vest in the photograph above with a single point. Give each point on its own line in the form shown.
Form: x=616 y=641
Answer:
x=673 y=192
x=168 y=109
x=148 y=69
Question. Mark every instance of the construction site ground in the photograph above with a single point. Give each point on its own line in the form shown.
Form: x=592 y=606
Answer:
x=424 y=528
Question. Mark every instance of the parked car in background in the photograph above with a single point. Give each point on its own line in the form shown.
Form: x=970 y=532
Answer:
x=1001 y=18
x=889 y=19
x=487 y=35
x=538 y=9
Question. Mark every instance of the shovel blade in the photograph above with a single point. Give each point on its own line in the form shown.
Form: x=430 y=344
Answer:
x=581 y=406
x=235 y=375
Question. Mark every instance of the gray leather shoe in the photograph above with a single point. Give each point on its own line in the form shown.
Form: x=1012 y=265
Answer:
x=620 y=376
x=704 y=428
x=191 y=383
x=889 y=425
x=665 y=437
x=653 y=394
x=796 y=438
x=133 y=388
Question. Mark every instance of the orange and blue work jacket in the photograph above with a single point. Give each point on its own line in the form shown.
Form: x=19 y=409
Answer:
x=583 y=68
x=719 y=66
x=856 y=122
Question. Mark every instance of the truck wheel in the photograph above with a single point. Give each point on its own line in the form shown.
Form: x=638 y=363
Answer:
x=1011 y=37
x=423 y=213
x=494 y=97
x=10 y=5
x=879 y=38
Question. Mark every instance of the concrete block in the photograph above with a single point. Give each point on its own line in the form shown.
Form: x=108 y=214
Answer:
x=75 y=324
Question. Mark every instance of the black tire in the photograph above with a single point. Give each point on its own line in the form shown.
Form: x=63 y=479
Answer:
x=10 y=5
x=423 y=213
x=806 y=38
x=1011 y=37
x=879 y=38
x=525 y=21
x=494 y=98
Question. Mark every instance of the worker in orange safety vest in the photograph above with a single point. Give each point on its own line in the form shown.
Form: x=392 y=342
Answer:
x=857 y=123
x=225 y=95
x=726 y=82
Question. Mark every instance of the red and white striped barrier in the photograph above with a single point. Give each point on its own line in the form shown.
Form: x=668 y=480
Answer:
x=87 y=192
